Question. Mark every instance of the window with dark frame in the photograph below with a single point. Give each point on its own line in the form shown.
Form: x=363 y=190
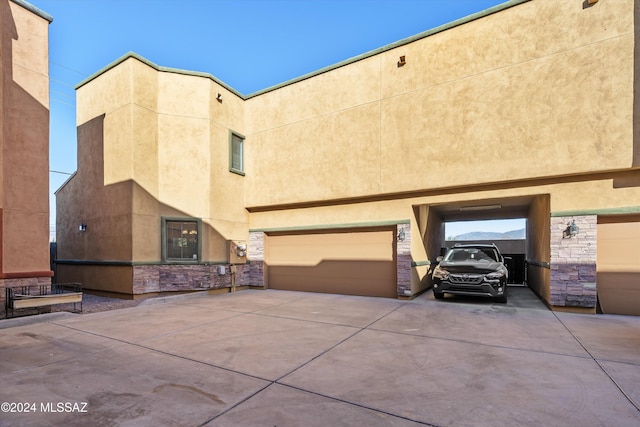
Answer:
x=181 y=240
x=237 y=153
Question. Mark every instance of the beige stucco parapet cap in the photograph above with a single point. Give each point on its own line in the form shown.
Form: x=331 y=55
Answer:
x=157 y=68
x=34 y=9
x=441 y=28
x=624 y=210
x=411 y=39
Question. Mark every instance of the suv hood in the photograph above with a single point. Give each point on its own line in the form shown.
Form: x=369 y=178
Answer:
x=471 y=267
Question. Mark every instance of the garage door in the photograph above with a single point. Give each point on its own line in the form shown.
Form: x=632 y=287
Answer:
x=340 y=262
x=619 y=265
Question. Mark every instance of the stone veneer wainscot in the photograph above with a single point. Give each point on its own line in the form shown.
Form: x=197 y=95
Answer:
x=573 y=262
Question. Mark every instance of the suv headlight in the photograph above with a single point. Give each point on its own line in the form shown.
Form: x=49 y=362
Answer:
x=441 y=274
x=496 y=275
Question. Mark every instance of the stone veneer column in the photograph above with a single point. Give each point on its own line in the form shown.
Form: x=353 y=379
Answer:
x=252 y=273
x=403 y=260
x=573 y=262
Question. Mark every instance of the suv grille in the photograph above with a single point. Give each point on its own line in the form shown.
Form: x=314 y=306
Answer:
x=470 y=279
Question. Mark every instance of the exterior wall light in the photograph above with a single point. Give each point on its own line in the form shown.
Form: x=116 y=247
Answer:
x=401 y=235
x=82 y=227
x=402 y=61
x=571 y=230
x=219 y=98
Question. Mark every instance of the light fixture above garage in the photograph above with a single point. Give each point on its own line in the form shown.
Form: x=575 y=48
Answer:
x=480 y=208
x=571 y=230
x=401 y=234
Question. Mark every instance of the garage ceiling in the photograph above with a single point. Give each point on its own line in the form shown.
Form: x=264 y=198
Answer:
x=473 y=210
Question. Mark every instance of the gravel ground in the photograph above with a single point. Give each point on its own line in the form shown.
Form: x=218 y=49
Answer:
x=95 y=304
x=90 y=304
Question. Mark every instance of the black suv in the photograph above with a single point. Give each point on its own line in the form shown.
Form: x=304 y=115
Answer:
x=471 y=269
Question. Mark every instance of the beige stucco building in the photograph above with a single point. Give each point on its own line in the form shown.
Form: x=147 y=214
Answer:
x=342 y=180
x=24 y=142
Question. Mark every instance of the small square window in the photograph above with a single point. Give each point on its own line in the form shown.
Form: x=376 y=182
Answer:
x=236 y=154
x=181 y=240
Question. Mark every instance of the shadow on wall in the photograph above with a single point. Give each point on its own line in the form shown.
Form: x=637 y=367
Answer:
x=619 y=293
x=24 y=161
x=636 y=87
x=425 y=281
x=123 y=220
x=120 y=250
x=348 y=277
x=152 y=274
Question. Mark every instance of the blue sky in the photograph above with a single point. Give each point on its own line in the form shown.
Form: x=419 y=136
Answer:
x=248 y=44
x=499 y=225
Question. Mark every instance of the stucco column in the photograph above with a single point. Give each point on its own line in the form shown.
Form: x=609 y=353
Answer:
x=573 y=262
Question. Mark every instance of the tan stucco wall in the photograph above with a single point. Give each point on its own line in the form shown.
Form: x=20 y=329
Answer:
x=539 y=89
x=106 y=210
x=427 y=235
x=538 y=246
x=165 y=140
x=105 y=278
x=24 y=141
x=579 y=195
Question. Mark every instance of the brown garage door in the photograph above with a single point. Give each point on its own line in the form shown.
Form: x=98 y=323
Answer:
x=340 y=262
x=619 y=265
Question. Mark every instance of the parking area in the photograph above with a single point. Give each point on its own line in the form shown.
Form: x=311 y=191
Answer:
x=280 y=358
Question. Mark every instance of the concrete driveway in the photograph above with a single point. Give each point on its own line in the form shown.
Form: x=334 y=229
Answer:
x=278 y=358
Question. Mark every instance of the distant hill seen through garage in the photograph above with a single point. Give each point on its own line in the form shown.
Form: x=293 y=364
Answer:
x=491 y=235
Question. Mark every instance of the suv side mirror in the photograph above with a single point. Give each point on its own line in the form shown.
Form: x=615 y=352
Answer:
x=439 y=259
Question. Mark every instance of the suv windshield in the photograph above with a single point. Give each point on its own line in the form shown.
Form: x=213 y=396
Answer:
x=471 y=255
